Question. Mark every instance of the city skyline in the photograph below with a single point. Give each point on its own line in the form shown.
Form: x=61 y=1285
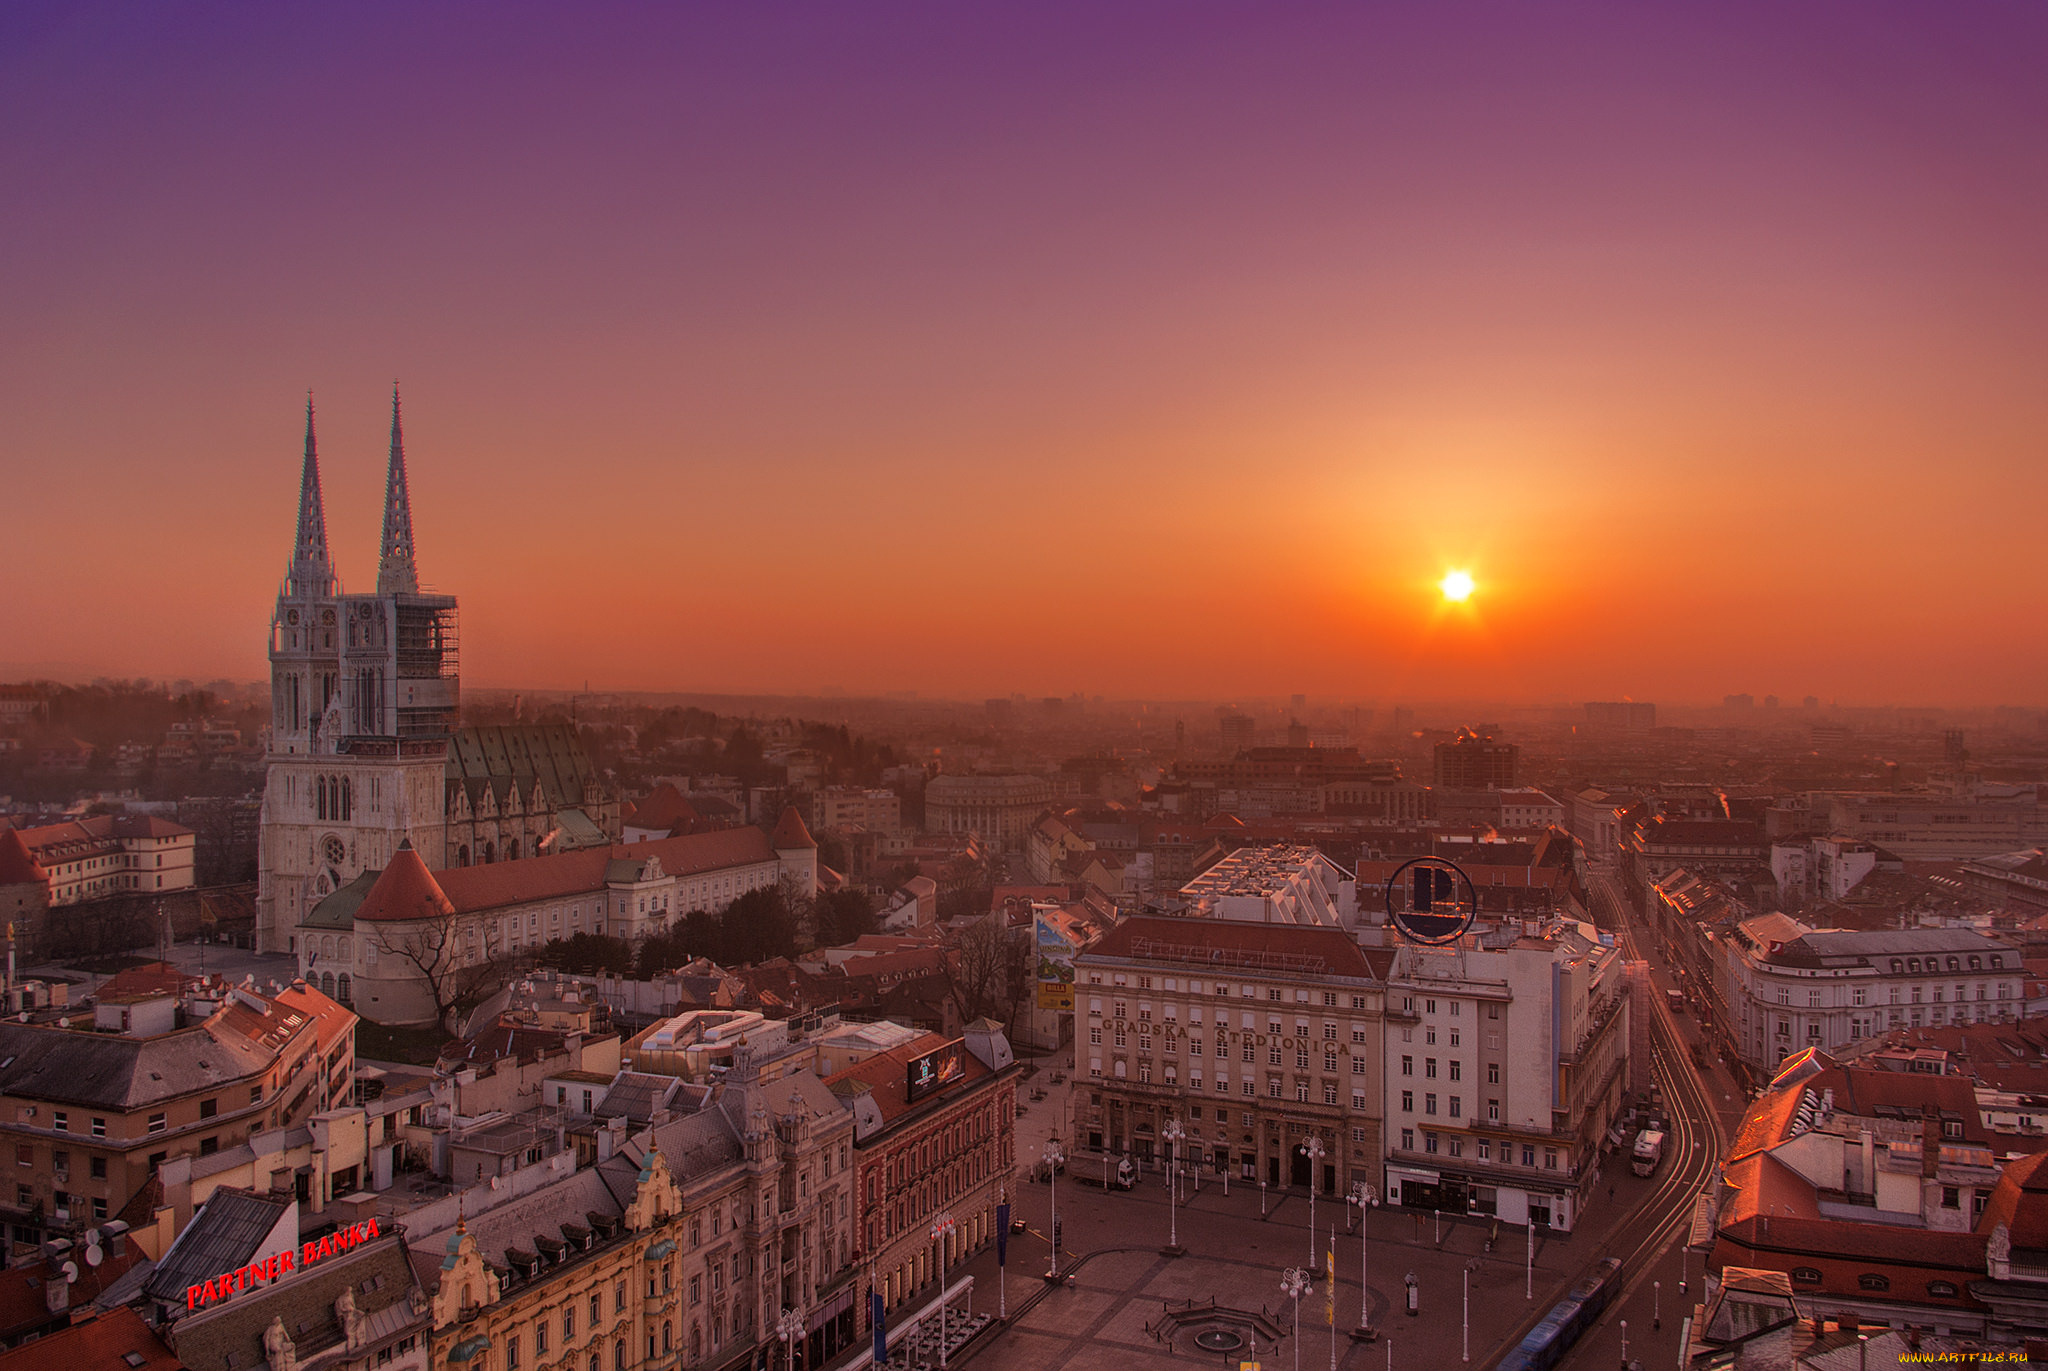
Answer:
x=1147 y=353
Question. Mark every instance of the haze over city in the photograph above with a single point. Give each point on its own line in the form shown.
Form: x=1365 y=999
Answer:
x=1144 y=350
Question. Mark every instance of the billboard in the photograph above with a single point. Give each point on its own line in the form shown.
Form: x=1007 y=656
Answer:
x=934 y=1071
x=1055 y=966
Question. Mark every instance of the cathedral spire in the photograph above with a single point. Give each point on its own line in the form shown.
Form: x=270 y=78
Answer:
x=397 y=571
x=312 y=572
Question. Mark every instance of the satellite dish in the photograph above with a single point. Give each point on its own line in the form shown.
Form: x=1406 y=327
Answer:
x=94 y=1254
x=494 y=1182
x=70 y=1271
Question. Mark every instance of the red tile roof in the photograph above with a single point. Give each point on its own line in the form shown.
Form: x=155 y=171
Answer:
x=416 y=892
x=18 y=865
x=24 y=1300
x=664 y=808
x=406 y=891
x=886 y=1075
x=2020 y=1202
x=790 y=833
x=101 y=1342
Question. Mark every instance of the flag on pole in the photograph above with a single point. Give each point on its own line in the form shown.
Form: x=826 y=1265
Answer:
x=1330 y=1291
x=880 y=1319
x=1002 y=1233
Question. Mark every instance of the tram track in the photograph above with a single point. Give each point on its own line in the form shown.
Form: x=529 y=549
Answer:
x=1693 y=1151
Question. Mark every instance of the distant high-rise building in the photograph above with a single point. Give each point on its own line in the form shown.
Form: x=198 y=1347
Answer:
x=1238 y=731
x=1476 y=761
x=1738 y=702
x=1628 y=716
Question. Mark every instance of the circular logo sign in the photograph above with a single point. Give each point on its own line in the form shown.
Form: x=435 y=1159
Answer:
x=1431 y=901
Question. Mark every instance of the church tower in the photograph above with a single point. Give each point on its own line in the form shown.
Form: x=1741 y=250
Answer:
x=364 y=697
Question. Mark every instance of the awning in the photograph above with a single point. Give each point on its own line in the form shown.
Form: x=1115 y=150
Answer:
x=469 y=1348
x=1410 y=1173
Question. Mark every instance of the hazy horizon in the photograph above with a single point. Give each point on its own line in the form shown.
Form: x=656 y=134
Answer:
x=1149 y=351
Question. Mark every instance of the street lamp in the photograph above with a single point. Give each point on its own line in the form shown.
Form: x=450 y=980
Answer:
x=790 y=1328
x=1529 y=1271
x=1465 y=1329
x=1294 y=1284
x=1656 y=1304
x=1054 y=1159
x=1172 y=1134
x=1367 y=1199
x=942 y=1229
x=1313 y=1150
x=1624 y=1345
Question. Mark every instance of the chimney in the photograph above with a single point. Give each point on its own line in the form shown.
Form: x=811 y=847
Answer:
x=1869 y=1163
x=115 y=1235
x=1930 y=1142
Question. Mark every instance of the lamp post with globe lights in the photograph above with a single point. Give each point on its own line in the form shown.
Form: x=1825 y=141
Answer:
x=1367 y=1199
x=1054 y=1157
x=1313 y=1150
x=1294 y=1284
x=789 y=1326
x=1172 y=1135
x=942 y=1229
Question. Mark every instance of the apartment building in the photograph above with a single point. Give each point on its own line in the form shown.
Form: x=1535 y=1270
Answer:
x=90 y=1116
x=1257 y=1036
x=1505 y=1067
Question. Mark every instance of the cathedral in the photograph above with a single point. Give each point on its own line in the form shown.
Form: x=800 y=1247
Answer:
x=365 y=748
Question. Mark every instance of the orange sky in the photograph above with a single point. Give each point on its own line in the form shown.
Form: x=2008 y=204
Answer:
x=1169 y=351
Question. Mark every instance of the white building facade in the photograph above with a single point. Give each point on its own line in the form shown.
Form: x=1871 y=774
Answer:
x=1505 y=1068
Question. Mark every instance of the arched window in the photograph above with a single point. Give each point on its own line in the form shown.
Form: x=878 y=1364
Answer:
x=341 y=988
x=319 y=797
x=619 y=1355
x=348 y=798
x=462 y=855
x=327 y=984
x=1942 y=1289
x=1806 y=1275
x=1870 y=1280
x=667 y=1337
x=512 y=849
x=490 y=853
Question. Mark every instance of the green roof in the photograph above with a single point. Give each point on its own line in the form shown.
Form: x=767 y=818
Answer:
x=338 y=911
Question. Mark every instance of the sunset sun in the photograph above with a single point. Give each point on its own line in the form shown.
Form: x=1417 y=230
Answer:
x=1457 y=586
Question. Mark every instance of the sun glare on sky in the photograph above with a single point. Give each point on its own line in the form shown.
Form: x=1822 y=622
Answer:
x=1457 y=586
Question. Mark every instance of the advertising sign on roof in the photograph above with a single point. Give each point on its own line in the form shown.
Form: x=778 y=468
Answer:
x=1431 y=901
x=934 y=1071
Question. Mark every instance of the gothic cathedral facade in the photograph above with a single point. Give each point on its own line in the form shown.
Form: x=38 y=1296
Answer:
x=364 y=691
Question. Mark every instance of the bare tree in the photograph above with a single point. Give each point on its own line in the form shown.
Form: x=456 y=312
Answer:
x=979 y=980
x=460 y=963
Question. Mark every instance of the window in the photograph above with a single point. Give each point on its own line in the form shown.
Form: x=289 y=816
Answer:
x=1528 y=1154
x=1429 y=1067
x=1408 y=1101
x=540 y=1335
x=1945 y=1290
x=1358 y=1066
x=1095 y=1034
x=1357 y=1034
x=1272 y=994
x=1485 y=1149
x=98 y=1167
x=511 y=1352
x=1407 y=1140
x=159 y=1122
x=24 y=1154
x=1870 y=1280
x=1806 y=1275
x=568 y=1322
x=1407 y=1066
x=1457 y=1070
x=1457 y=1106
x=1429 y=1142
x=60 y=1121
x=1951 y=1198
x=1329 y=1032
x=1550 y=1159
x=1429 y=1103
x=208 y=1108
x=99 y=1126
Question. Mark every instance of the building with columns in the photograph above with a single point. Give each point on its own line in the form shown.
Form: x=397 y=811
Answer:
x=1256 y=1036
x=998 y=809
